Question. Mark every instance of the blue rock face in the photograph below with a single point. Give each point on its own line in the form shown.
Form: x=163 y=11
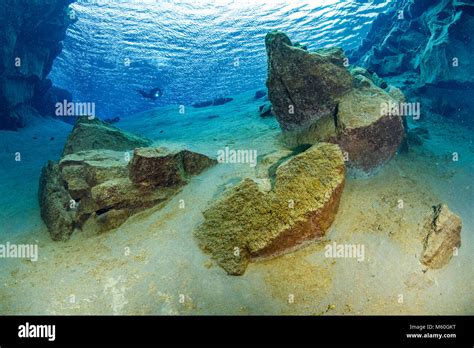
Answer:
x=430 y=38
x=31 y=32
x=429 y=44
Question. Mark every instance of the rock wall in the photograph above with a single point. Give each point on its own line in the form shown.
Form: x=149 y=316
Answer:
x=31 y=32
x=428 y=46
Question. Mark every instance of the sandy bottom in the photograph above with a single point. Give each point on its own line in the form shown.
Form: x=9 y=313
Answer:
x=152 y=264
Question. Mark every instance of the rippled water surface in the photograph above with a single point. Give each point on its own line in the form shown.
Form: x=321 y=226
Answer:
x=193 y=50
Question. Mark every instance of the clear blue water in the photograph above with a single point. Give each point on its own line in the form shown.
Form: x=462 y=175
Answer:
x=193 y=50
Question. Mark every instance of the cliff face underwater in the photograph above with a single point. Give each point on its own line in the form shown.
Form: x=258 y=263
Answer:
x=31 y=38
x=270 y=164
x=428 y=45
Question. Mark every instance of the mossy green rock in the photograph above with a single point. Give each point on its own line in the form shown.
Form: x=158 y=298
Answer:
x=248 y=223
x=93 y=134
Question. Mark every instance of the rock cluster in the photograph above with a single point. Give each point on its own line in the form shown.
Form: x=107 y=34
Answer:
x=443 y=236
x=92 y=134
x=315 y=98
x=249 y=222
x=98 y=185
x=31 y=32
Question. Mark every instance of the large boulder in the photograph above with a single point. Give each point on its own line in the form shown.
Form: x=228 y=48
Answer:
x=367 y=128
x=353 y=108
x=302 y=86
x=249 y=223
x=163 y=167
x=92 y=133
x=98 y=189
x=85 y=169
x=443 y=236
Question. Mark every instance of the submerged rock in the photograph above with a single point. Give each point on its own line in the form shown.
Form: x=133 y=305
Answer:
x=221 y=101
x=162 y=167
x=249 y=223
x=303 y=87
x=421 y=36
x=265 y=110
x=315 y=98
x=112 y=120
x=443 y=236
x=215 y=102
x=370 y=135
x=417 y=136
x=260 y=94
x=91 y=134
x=55 y=203
x=98 y=189
x=203 y=104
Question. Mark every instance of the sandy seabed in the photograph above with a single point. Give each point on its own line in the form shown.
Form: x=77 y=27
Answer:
x=153 y=265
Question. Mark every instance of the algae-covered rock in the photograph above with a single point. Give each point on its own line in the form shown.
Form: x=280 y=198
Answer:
x=163 y=167
x=265 y=110
x=248 y=223
x=443 y=235
x=303 y=86
x=195 y=163
x=368 y=128
x=316 y=99
x=366 y=125
x=85 y=169
x=55 y=203
x=156 y=166
x=93 y=134
x=93 y=190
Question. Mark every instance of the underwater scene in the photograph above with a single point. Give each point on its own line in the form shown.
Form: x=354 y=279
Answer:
x=236 y=157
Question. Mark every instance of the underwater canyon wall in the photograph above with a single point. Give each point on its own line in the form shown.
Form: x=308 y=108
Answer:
x=428 y=47
x=31 y=35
